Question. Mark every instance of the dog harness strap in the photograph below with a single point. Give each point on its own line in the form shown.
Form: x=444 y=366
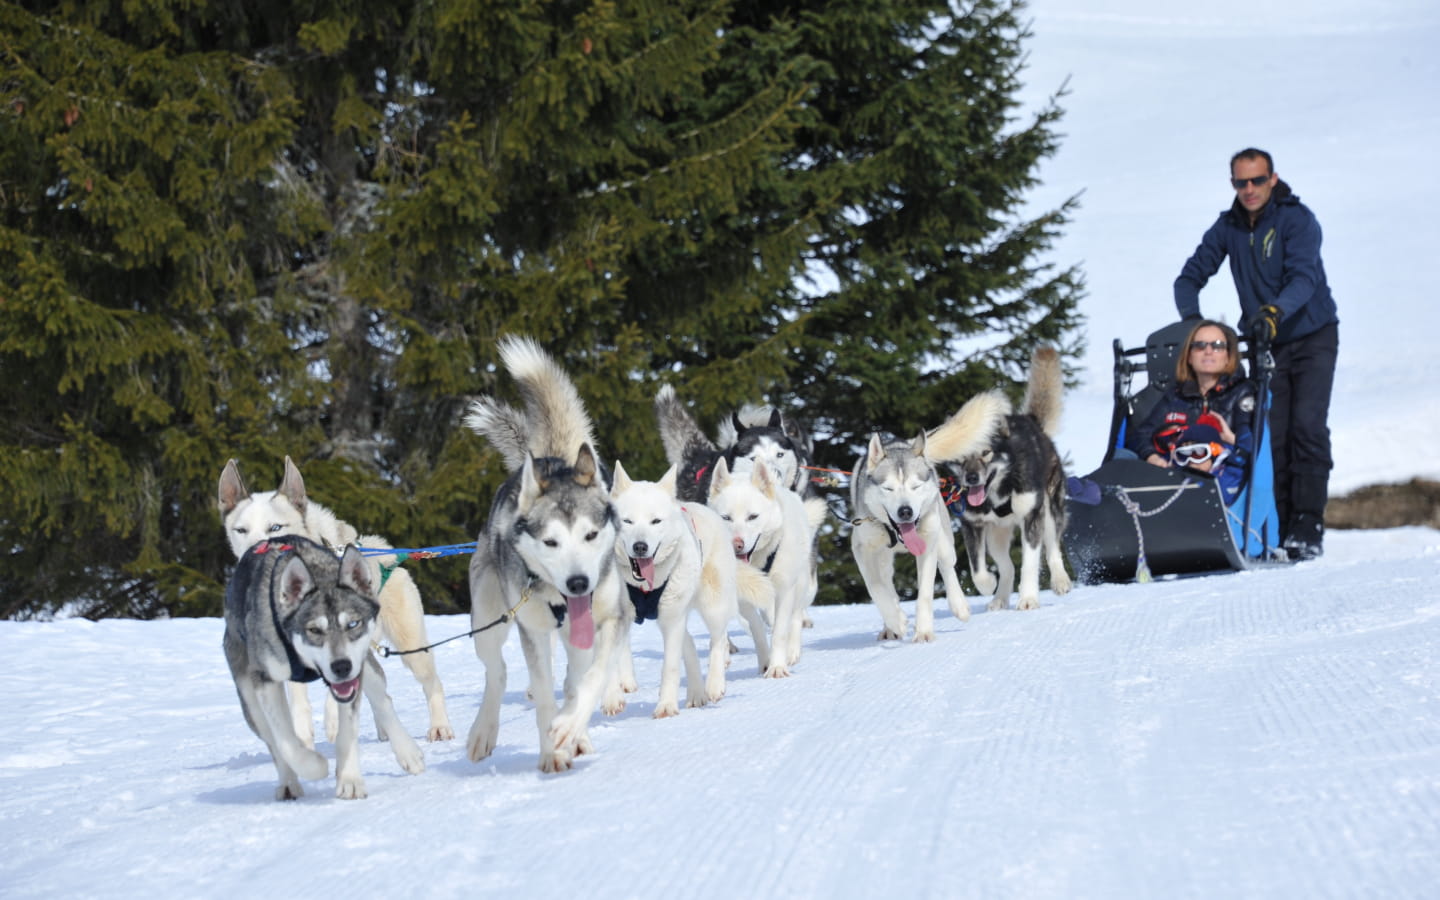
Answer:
x=771 y=561
x=647 y=603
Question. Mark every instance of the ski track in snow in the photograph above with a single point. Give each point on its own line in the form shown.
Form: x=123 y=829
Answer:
x=1261 y=734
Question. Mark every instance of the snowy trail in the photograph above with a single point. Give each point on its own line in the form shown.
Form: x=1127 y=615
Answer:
x=1262 y=734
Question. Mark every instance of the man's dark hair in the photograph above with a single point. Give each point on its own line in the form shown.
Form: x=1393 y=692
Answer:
x=1253 y=153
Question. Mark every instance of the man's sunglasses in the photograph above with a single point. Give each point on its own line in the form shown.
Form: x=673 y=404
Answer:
x=1256 y=181
x=1194 y=454
x=1217 y=346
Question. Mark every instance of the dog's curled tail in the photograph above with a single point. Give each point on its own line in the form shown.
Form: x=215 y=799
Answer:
x=1045 y=392
x=678 y=432
x=970 y=430
x=558 y=424
x=503 y=426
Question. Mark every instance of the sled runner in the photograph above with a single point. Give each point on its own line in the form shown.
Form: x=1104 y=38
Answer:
x=1129 y=520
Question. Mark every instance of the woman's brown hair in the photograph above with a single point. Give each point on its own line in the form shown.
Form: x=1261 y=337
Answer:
x=1184 y=373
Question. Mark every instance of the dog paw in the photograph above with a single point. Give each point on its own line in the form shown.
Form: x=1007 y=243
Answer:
x=714 y=693
x=890 y=634
x=985 y=582
x=998 y=603
x=1029 y=602
x=924 y=637
x=410 y=758
x=480 y=743
x=289 y=791
x=556 y=761
x=777 y=669
x=441 y=732
x=612 y=706
x=960 y=610
x=567 y=730
x=629 y=685
x=1060 y=583
x=351 y=789
x=666 y=710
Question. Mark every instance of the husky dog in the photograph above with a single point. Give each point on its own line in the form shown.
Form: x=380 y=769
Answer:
x=772 y=528
x=751 y=434
x=546 y=558
x=676 y=558
x=761 y=434
x=1017 y=482
x=251 y=518
x=294 y=612
x=895 y=495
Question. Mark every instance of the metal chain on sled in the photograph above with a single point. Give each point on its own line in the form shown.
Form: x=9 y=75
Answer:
x=1142 y=566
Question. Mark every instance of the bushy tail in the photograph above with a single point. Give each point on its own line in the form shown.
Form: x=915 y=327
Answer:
x=554 y=421
x=755 y=588
x=503 y=426
x=678 y=432
x=1045 y=393
x=970 y=429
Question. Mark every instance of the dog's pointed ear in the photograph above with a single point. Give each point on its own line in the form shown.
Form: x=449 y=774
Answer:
x=354 y=573
x=918 y=447
x=292 y=486
x=232 y=488
x=874 y=453
x=531 y=485
x=736 y=423
x=668 y=480
x=295 y=583
x=587 y=468
x=760 y=477
x=720 y=478
x=776 y=420
x=621 y=479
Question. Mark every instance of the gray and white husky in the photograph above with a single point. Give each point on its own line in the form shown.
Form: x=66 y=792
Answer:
x=546 y=558
x=250 y=518
x=674 y=558
x=294 y=612
x=898 y=508
x=1017 y=483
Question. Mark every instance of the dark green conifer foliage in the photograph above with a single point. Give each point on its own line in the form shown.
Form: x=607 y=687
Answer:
x=257 y=228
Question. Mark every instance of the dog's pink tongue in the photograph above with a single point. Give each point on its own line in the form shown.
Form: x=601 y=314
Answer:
x=913 y=541
x=975 y=495
x=644 y=569
x=582 y=624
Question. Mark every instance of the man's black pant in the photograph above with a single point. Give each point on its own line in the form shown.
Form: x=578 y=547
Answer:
x=1299 y=429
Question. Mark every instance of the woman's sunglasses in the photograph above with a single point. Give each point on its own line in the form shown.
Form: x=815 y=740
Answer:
x=1217 y=346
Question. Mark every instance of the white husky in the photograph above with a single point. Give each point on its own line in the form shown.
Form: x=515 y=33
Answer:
x=774 y=530
x=895 y=496
x=676 y=558
x=252 y=518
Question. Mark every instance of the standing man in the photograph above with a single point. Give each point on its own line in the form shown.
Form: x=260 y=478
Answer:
x=1273 y=242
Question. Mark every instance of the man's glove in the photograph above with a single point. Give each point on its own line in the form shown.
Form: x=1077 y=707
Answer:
x=1264 y=325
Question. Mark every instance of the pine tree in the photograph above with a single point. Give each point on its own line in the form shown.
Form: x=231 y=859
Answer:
x=251 y=230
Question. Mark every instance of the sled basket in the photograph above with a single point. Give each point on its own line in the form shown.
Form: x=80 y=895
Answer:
x=1152 y=521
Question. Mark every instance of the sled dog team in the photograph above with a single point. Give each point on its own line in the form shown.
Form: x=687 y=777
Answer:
x=574 y=555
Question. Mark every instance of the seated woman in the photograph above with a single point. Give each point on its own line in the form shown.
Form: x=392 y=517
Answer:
x=1208 y=384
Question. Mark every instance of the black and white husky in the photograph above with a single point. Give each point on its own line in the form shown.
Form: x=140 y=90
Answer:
x=296 y=612
x=546 y=557
x=753 y=434
x=1017 y=482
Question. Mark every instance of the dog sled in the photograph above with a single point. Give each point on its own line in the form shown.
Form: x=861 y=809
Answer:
x=1129 y=520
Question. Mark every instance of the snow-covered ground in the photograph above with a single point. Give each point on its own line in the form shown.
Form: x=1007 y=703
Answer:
x=1265 y=734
